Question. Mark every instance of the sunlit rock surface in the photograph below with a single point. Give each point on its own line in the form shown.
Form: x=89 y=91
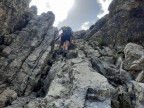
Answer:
x=101 y=70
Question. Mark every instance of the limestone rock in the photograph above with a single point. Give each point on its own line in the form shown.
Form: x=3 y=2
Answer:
x=30 y=105
x=77 y=85
x=134 y=57
x=7 y=96
x=80 y=34
x=78 y=82
x=28 y=54
x=140 y=77
x=14 y=15
x=123 y=24
x=139 y=92
x=96 y=27
x=92 y=75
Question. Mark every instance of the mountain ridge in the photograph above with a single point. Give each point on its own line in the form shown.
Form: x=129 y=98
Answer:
x=103 y=68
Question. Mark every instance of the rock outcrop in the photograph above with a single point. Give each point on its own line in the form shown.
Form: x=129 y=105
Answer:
x=123 y=24
x=27 y=56
x=30 y=46
x=7 y=96
x=14 y=15
x=76 y=84
x=80 y=34
x=87 y=81
x=101 y=70
x=134 y=57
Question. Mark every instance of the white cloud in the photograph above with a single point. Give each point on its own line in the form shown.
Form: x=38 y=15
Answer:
x=85 y=26
x=59 y=7
x=104 y=7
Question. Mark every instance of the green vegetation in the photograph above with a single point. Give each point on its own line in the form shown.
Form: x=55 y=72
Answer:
x=102 y=42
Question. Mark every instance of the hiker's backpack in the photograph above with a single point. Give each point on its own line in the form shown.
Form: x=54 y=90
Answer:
x=68 y=31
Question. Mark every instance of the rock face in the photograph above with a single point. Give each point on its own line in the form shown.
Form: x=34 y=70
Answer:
x=7 y=96
x=134 y=61
x=13 y=15
x=94 y=74
x=29 y=50
x=27 y=56
x=72 y=82
x=123 y=24
x=134 y=55
x=76 y=85
x=80 y=34
x=96 y=81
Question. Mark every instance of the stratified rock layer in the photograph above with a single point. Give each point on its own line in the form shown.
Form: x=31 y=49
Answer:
x=14 y=15
x=28 y=54
x=123 y=24
x=77 y=85
x=81 y=80
x=97 y=72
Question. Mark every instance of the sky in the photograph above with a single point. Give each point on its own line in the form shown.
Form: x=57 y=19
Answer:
x=78 y=14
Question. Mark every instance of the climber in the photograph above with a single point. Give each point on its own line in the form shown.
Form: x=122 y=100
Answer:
x=66 y=39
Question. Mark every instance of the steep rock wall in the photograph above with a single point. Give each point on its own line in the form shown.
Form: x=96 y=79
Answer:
x=28 y=45
x=123 y=24
x=34 y=74
x=91 y=78
x=14 y=15
x=27 y=56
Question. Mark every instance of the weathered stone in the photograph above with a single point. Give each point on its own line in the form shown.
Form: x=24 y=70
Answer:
x=32 y=66
x=79 y=34
x=98 y=25
x=8 y=39
x=123 y=24
x=6 y=51
x=28 y=54
x=7 y=96
x=71 y=55
x=97 y=65
x=30 y=105
x=90 y=52
x=76 y=82
x=2 y=47
x=139 y=92
x=14 y=15
x=73 y=83
x=134 y=57
x=51 y=75
x=140 y=77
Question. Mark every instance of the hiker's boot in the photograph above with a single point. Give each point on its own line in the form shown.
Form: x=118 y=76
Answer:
x=65 y=53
